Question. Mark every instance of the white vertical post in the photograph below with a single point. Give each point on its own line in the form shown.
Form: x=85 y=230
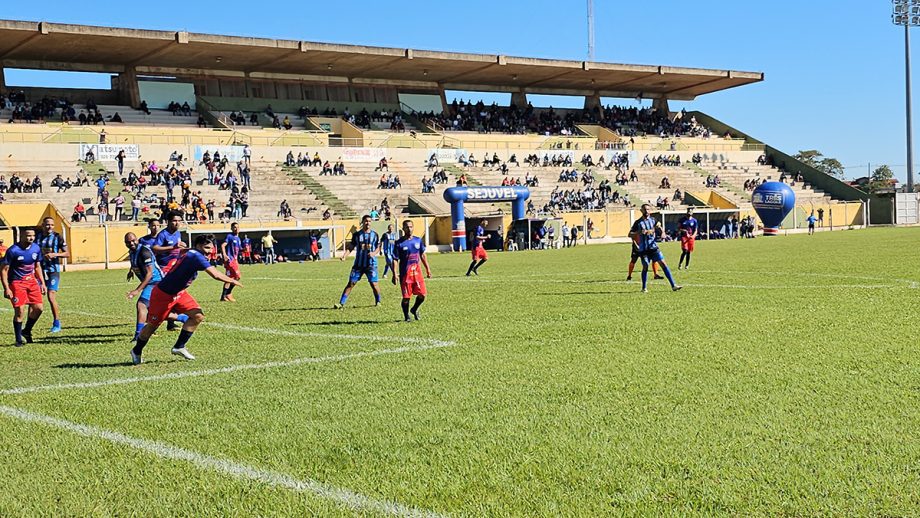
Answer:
x=105 y=234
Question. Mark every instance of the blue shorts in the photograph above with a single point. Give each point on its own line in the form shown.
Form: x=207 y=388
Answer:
x=357 y=273
x=145 y=295
x=52 y=280
x=651 y=256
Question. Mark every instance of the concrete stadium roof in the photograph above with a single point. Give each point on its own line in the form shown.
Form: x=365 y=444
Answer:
x=53 y=46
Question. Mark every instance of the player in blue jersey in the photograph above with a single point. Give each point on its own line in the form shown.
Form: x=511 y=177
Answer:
x=230 y=250
x=168 y=245
x=23 y=284
x=479 y=249
x=153 y=227
x=53 y=249
x=365 y=243
x=410 y=252
x=144 y=266
x=689 y=227
x=170 y=296
x=644 y=230
x=387 y=244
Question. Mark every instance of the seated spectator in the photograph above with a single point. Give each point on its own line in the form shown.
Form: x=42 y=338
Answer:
x=143 y=107
x=382 y=165
x=201 y=122
x=116 y=118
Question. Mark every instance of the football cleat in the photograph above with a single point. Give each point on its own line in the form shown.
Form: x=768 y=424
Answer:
x=183 y=352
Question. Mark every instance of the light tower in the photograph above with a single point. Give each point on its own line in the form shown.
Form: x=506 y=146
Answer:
x=590 y=30
x=907 y=14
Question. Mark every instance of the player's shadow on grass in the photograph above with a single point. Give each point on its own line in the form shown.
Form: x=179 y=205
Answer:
x=92 y=365
x=569 y=293
x=85 y=339
x=329 y=308
x=96 y=326
x=338 y=323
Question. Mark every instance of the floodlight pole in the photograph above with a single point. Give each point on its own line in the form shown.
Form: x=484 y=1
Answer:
x=910 y=132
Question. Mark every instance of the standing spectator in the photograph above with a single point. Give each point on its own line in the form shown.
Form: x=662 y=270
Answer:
x=119 y=206
x=247 y=155
x=120 y=160
x=103 y=210
x=268 y=248
x=566 y=235
x=821 y=218
x=574 y=239
x=135 y=208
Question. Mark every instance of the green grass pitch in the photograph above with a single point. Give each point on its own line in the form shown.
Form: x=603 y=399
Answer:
x=783 y=380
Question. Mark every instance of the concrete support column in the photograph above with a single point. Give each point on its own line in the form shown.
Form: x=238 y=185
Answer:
x=519 y=99
x=661 y=104
x=592 y=102
x=247 y=84
x=2 y=79
x=129 y=92
x=443 y=93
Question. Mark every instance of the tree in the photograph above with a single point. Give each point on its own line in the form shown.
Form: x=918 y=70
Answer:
x=816 y=159
x=880 y=179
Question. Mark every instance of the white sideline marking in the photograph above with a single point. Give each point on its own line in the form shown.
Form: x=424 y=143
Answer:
x=231 y=368
x=345 y=497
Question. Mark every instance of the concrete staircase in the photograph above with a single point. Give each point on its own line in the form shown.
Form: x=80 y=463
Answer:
x=734 y=174
x=129 y=116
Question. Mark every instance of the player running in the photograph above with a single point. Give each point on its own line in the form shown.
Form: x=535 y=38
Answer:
x=168 y=245
x=144 y=266
x=479 y=249
x=689 y=228
x=410 y=250
x=230 y=250
x=387 y=243
x=53 y=249
x=649 y=252
x=635 y=258
x=170 y=296
x=23 y=284
x=366 y=245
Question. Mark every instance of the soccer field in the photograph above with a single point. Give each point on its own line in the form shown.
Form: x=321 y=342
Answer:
x=783 y=379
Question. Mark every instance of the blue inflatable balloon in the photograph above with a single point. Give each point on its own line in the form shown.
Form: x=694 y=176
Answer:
x=773 y=201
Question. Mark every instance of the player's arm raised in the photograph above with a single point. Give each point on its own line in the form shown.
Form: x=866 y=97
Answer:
x=216 y=275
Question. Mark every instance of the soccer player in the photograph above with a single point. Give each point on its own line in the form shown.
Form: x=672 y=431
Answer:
x=649 y=252
x=153 y=227
x=811 y=223
x=689 y=228
x=53 y=249
x=366 y=245
x=387 y=243
x=23 y=284
x=410 y=250
x=247 y=249
x=170 y=296
x=144 y=266
x=230 y=249
x=479 y=250
x=168 y=245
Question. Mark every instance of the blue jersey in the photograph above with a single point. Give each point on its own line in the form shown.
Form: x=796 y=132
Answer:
x=364 y=244
x=811 y=220
x=645 y=242
x=52 y=242
x=171 y=239
x=388 y=242
x=409 y=252
x=22 y=261
x=142 y=261
x=689 y=224
x=184 y=272
x=147 y=240
x=480 y=232
x=234 y=245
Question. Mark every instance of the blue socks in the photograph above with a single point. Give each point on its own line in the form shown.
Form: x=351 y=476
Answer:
x=182 y=318
x=56 y=323
x=343 y=299
x=377 y=298
x=667 y=273
x=644 y=276
x=137 y=330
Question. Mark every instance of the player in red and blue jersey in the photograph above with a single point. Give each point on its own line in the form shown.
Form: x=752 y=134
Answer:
x=644 y=229
x=168 y=245
x=410 y=251
x=479 y=250
x=230 y=249
x=170 y=296
x=366 y=245
x=387 y=248
x=144 y=266
x=689 y=227
x=23 y=284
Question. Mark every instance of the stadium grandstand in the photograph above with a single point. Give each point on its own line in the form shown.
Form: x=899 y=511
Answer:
x=295 y=133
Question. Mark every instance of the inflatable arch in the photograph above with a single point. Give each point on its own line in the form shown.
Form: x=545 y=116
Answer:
x=457 y=196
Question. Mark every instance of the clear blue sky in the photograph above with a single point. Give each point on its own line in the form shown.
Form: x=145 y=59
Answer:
x=834 y=69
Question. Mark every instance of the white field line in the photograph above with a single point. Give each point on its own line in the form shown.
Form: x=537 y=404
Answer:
x=228 y=369
x=350 y=499
x=694 y=285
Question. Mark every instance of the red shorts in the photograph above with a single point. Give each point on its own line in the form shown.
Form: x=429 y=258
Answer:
x=25 y=292
x=413 y=283
x=479 y=253
x=686 y=243
x=245 y=254
x=162 y=304
x=233 y=269
x=169 y=266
